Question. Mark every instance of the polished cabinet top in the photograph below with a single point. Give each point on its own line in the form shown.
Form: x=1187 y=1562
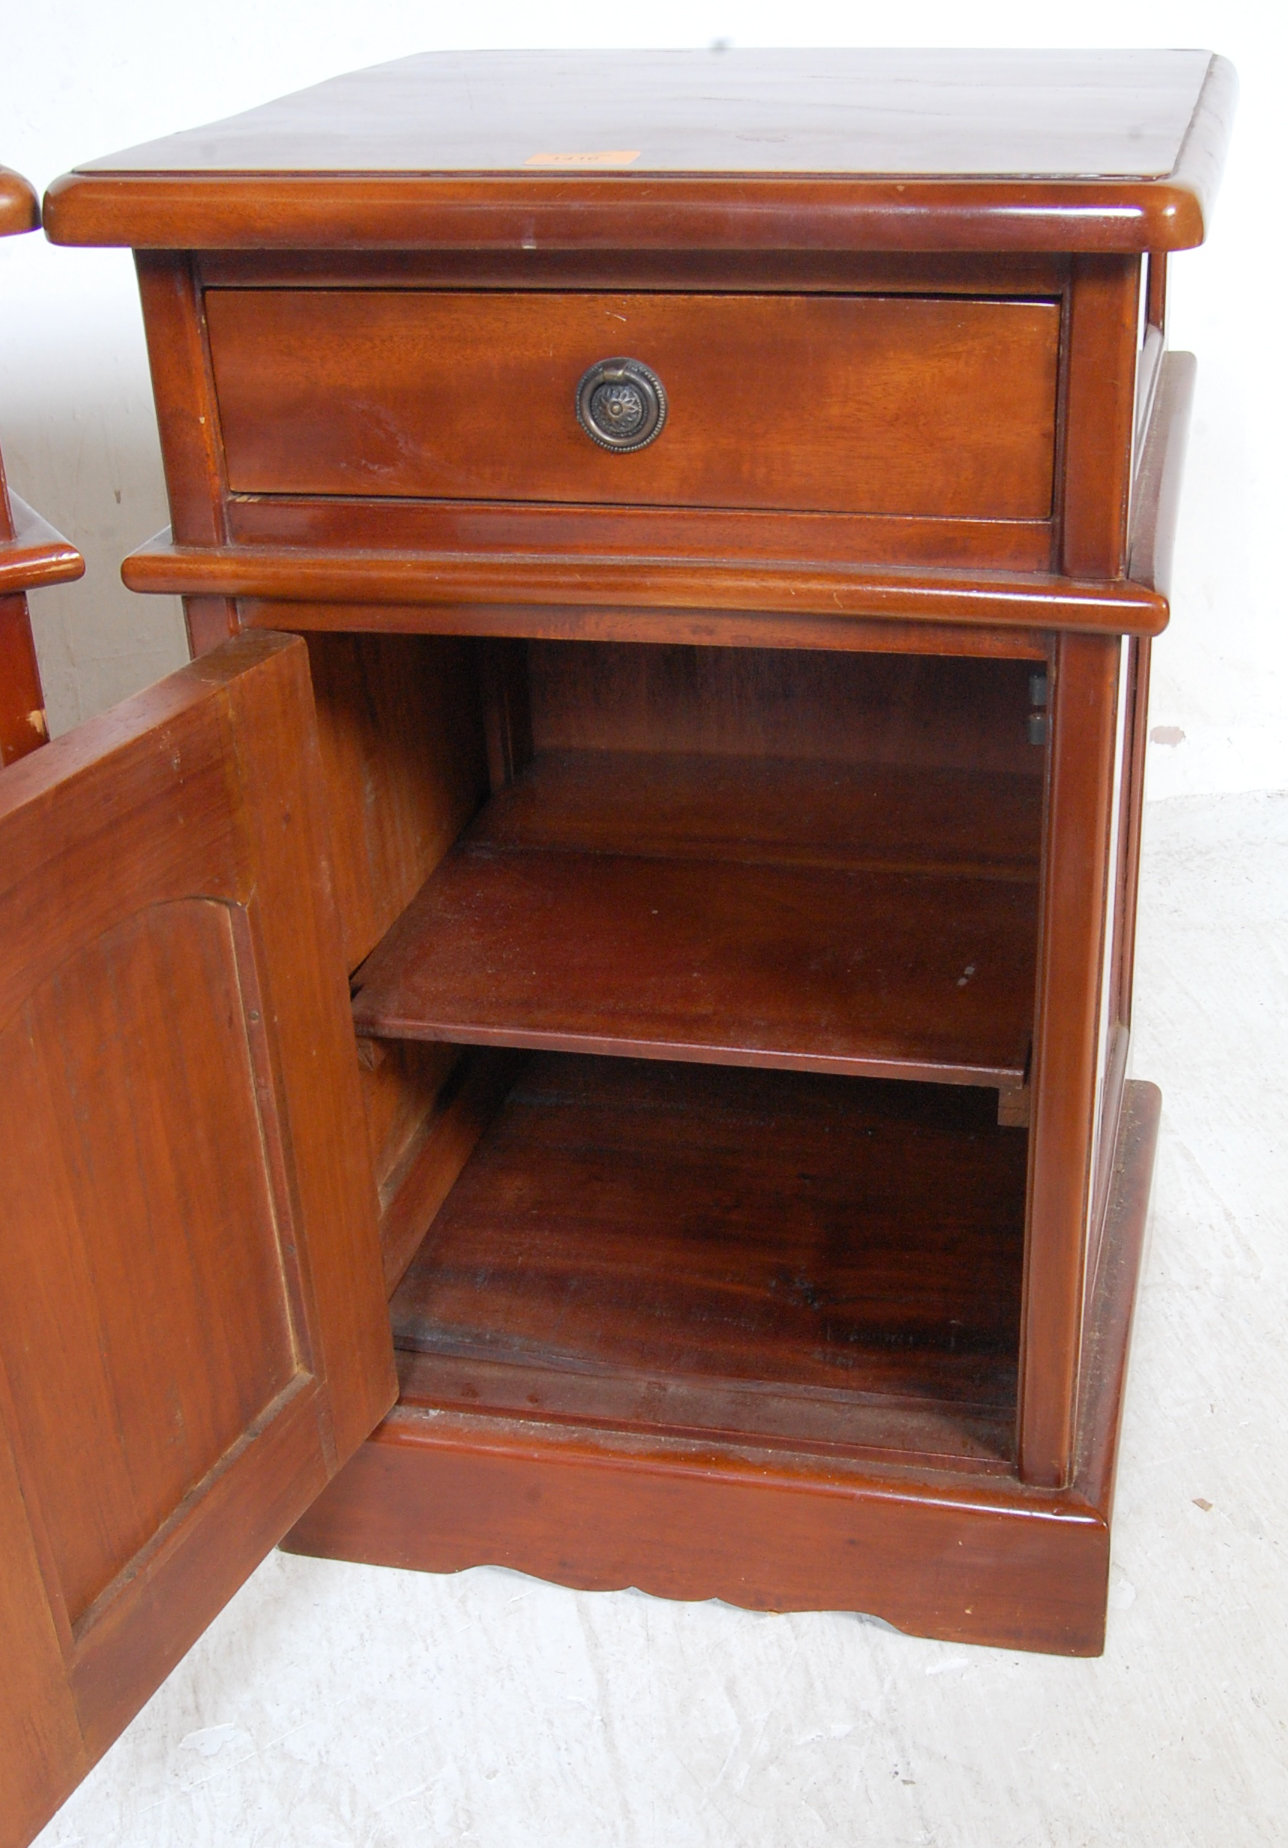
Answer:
x=909 y=149
x=1070 y=115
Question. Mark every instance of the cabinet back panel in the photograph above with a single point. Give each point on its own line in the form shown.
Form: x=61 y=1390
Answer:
x=928 y=711
x=701 y=1228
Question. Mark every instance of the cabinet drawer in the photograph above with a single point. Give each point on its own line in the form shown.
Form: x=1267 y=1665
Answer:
x=938 y=408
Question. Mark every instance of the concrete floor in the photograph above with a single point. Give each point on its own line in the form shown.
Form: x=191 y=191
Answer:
x=336 y=1706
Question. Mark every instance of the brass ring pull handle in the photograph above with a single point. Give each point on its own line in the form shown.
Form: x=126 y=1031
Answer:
x=621 y=404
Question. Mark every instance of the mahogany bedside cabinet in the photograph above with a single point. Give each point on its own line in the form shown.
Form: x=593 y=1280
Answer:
x=31 y=554
x=658 y=983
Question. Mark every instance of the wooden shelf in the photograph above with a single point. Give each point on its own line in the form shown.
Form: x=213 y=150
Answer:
x=866 y=920
x=783 y=1257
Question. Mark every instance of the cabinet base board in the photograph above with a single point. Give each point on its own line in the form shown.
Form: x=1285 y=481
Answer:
x=953 y=1555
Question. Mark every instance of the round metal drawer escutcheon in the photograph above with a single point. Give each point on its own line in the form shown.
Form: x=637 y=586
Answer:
x=621 y=404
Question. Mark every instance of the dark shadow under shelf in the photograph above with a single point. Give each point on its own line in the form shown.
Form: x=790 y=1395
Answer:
x=783 y=1257
x=868 y=920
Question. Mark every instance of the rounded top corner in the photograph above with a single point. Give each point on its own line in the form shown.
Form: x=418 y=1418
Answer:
x=19 y=206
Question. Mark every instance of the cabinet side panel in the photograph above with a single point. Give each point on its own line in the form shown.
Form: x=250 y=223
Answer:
x=401 y=1083
x=403 y=763
x=1115 y=975
x=1074 y=895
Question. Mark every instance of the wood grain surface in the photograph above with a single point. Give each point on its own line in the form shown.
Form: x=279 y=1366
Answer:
x=760 y=938
x=19 y=206
x=191 y=1314
x=559 y=533
x=402 y=760
x=863 y=404
x=839 y=148
x=31 y=554
x=315 y=580
x=23 y=724
x=681 y=1318
x=900 y=710
x=957 y=1553
x=685 y=1226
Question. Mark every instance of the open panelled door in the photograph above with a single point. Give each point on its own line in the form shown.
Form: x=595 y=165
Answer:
x=193 y=1334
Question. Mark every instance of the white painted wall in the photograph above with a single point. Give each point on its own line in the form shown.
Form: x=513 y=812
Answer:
x=79 y=79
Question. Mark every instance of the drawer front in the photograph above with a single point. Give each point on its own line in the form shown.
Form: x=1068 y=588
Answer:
x=938 y=408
